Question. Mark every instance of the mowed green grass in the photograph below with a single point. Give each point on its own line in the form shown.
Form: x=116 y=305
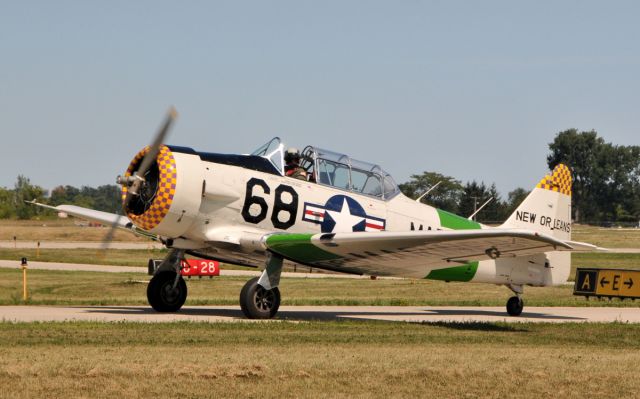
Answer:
x=318 y=359
x=95 y=288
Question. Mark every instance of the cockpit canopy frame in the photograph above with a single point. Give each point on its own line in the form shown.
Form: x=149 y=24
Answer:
x=343 y=172
x=335 y=170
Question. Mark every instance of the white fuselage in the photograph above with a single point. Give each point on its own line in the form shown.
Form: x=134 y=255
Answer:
x=227 y=209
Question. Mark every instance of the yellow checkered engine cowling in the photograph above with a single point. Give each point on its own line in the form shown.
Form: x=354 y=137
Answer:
x=559 y=180
x=176 y=202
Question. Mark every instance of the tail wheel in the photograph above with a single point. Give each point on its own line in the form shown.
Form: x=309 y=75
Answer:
x=515 y=304
x=161 y=294
x=257 y=302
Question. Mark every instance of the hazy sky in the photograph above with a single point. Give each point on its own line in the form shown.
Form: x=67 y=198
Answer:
x=475 y=89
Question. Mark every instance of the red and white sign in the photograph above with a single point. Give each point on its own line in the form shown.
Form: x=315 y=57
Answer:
x=200 y=267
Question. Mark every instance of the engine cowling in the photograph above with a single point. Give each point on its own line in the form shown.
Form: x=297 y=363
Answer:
x=169 y=201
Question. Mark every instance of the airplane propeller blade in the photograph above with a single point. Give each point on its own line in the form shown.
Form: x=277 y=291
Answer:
x=135 y=181
x=137 y=178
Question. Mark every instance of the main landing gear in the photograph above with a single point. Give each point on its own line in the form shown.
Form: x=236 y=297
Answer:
x=260 y=297
x=167 y=290
x=515 y=304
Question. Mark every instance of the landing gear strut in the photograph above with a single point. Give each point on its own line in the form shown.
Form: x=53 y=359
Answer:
x=167 y=290
x=260 y=297
x=515 y=304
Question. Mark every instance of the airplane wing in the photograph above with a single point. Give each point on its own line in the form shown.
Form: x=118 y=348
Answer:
x=397 y=253
x=105 y=218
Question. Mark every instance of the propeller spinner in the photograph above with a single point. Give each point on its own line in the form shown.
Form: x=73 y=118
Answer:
x=137 y=182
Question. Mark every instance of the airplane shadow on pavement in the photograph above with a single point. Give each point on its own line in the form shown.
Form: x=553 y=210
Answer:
x=426 y=315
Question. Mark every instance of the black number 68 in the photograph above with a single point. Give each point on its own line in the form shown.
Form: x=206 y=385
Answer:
x=279 y=205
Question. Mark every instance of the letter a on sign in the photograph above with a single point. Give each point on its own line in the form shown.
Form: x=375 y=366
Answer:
x=585 y=283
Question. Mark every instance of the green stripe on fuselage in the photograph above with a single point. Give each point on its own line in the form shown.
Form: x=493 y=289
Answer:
x=455 y=222
x=457 y=273
x=298 y=247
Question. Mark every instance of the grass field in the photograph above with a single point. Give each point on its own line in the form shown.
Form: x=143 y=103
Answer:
x=319 y=359
x=360 y=359
x=92 y=288
x=607 y=237
x=116 y=257
x=59 y=230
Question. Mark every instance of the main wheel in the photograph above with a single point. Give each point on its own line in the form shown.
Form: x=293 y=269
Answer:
x=257 y=302
x=162 y=296
x=515 y=304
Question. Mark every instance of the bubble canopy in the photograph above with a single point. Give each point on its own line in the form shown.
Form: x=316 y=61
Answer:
x=336 y=170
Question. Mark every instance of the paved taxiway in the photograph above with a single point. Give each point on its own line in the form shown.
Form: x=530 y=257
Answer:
x=306 y=313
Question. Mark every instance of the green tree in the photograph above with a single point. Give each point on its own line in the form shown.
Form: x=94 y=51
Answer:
x=446 y=196
x=495 y=210
x=605 y=176
x=107 y=198
x=473 y=196
x=582 y=152
x=25 y=191
x=7 y=208
x=514 y=200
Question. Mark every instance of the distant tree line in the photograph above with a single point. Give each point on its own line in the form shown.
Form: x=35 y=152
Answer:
x=606 y=183
x=13 y=206
x=606 y=187
x=463 y=199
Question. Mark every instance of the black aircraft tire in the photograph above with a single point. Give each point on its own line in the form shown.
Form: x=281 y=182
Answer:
x=161 y=295
x=515 y=305
x=257 y=302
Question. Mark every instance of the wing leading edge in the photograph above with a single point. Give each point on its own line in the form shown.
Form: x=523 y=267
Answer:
x=105 y=218
x=400 y=253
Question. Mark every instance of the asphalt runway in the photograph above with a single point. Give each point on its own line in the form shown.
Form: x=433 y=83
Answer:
x=309 y=313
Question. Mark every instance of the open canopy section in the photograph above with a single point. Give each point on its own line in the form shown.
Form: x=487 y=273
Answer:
x=273 y=150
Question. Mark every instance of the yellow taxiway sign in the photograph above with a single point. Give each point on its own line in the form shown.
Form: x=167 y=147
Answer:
x=607 y=282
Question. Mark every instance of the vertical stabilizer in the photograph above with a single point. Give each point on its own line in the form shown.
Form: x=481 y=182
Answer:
x=547 y=208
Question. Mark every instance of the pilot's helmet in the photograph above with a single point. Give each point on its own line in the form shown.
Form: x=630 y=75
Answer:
x=292 y=155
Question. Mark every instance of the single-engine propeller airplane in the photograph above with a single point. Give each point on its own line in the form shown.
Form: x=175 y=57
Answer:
x=333 y=213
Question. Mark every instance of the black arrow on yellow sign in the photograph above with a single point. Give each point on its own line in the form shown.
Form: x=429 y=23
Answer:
x=629 y=283
x=603 y=282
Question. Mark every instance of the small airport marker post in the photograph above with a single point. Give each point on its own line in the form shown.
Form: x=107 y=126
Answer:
x=38 y=250
x=24 y=279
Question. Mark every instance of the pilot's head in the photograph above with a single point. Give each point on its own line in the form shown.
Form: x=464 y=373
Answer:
x=292 y=156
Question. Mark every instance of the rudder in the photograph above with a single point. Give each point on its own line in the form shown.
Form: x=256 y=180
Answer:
x=547 y=209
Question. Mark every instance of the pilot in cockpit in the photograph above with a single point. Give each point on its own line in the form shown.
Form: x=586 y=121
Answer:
x=292 y=167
